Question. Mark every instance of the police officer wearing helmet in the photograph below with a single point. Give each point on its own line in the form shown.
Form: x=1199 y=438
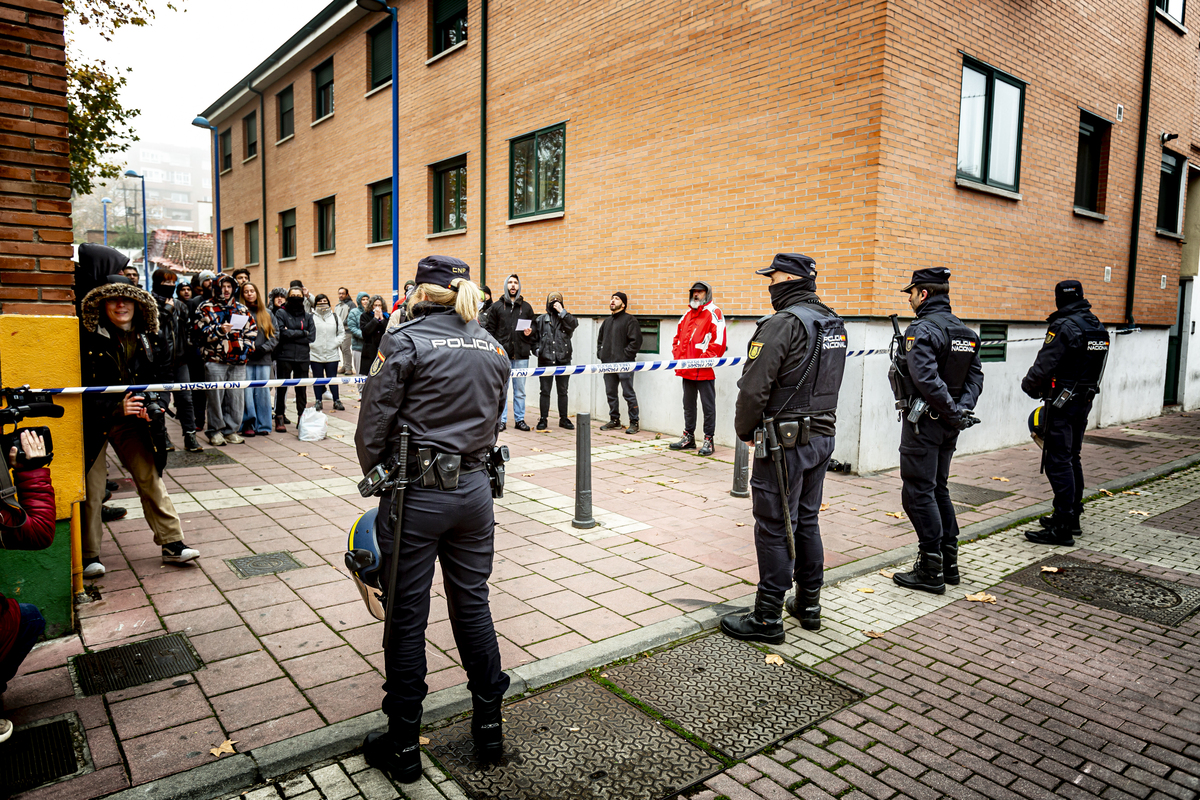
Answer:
x=941 y=357
x=441 y=376
x=1066 y=375
x=788 y=398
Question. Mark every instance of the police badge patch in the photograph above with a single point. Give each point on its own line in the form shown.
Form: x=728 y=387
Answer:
x=1049 y=337
x=755 y=349
x=908 y=343
x=378 y=365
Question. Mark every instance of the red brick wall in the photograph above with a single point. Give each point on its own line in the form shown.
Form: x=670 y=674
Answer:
x=36 y=273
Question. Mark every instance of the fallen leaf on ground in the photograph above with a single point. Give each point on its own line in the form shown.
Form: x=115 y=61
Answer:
x=896 y=514
x=873 y=634
x=603 y=674
x=528 y=474
x=336 y=435
x=777 y=660
x=1140 y=513
x=866 y=590
x=1106 y=493
x=326 y=466
x=852 y=508
x=627 y=491
x=740 y=524
x=422 y=740
x=672 y=480
x=1130 y=492
x=573 y=729
x=885 y=573
x=305 y=455
x=225 y=747
x=998 y=478
x=658 y=436
x=1049 y=569
x=824 y=506
x=982 y=597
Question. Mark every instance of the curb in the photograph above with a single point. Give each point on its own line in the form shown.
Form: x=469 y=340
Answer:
x=244 y=770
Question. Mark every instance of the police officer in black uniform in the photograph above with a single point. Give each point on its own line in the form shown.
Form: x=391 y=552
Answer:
x=792 y=376
x=441 y=375
x=941 y=356
x=1066 y=375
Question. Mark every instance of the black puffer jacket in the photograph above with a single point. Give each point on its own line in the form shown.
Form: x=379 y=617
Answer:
x=296 y=332
x=372 y=334
x=553 y=333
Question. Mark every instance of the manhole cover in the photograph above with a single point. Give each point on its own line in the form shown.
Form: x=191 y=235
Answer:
x=1114 y=589
x=1185 y=519
x=208 y=457
x=134 y=664
x=723 y=691
x=263 y=564
x=1107 y=441
x=43 y=752
x=576 y=742
x=974 y=495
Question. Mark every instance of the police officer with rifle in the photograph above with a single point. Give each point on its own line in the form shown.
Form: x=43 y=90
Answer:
x=787 y=406
x=1066 y=377
x=426 y=434
x=937 y=380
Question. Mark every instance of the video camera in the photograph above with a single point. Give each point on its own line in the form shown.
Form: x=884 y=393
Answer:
x=20 y=404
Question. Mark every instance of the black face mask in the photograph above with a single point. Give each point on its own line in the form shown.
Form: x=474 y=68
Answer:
x=783 y=292
x=164 y=290
x=295 y=304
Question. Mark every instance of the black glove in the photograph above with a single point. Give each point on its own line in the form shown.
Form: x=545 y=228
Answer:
x=961 y=420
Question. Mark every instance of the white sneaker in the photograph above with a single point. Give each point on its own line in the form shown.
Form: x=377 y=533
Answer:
x=178 y=553
x=93 y=570
x=6 y=729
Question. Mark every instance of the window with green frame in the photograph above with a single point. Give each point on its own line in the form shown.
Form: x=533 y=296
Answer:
x=286 y=101
x=449 y=24
x=326 y=225
x=537 y=172
x=252 y=242
x=226 y=141
x=250 y=134
x=450 y=195
x=381 y=53
x=227 y=247
x=989 y=126
x=323 y=90
x=650 y=330
x=993 y=338
x=287 y=234
x=381 y=211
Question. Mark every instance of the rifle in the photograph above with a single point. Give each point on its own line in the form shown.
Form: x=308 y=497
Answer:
x=776 y=451
x=396 y=518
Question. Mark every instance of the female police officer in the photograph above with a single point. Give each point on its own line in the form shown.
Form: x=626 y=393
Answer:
x=444 y=378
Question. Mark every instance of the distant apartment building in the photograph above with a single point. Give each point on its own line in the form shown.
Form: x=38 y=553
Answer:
x=178 y=182
x=608 y=146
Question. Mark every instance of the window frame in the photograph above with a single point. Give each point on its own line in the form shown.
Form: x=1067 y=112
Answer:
x=227 y=245
x=318 y=87
x=460 y=213
x=1100 y=135
x=1180 y=190
x=438 y=25
x=1165 y=7
x=512 y=144
x=250 y=135
x=252 y=248
x=993 y=341
x=379 y=190
x=385 y=29
x=319 y=209
x=651 y=329
x=287 y=234
x=225 y=147
x=290 y=112
x=991 y=75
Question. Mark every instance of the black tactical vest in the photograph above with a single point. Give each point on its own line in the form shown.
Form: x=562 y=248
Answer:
x=1083 y=365
x=814 y=390
x=955 y=360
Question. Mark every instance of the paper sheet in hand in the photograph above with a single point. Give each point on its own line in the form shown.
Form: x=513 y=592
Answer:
x=523 y=324
x=238 y=321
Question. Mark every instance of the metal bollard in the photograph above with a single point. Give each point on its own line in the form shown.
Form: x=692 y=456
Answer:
x=741 y=470
x=583 y=472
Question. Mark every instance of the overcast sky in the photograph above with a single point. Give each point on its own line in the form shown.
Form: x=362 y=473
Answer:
x=183 y=61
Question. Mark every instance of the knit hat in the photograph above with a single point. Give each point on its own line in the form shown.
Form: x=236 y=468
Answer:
x=624 y=298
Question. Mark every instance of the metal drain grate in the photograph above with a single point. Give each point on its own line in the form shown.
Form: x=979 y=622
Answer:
x=1115 y=589
x=208 y=457
x=134 y=664
x=575 y=742
x=1120 y=444
x=723 y=691
x=263 y=564
x=974 y=495
x=38 y=754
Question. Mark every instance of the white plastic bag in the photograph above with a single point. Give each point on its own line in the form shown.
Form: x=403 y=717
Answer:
x=313 y=425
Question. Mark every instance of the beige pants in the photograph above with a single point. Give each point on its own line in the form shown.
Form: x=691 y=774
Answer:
x=132 y=445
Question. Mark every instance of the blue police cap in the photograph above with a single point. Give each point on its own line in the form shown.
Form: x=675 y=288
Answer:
x=930 y=275
x=441 y=270
x=792 y=263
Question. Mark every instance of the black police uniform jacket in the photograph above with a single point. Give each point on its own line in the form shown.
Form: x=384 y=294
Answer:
x=943 y=360
x=443 y=378
x=778 y=350
x=1073 y=354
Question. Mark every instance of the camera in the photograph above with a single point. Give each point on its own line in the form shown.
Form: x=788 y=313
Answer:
x=21 y=403
x=10 y=440
x=150 y=402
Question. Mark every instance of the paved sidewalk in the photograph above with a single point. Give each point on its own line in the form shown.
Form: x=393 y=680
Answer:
x=295 y=652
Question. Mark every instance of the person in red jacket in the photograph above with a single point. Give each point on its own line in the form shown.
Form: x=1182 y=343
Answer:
x=30 y=527
x=700 y=334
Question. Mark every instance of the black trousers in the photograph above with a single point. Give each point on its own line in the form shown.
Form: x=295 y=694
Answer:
x=1063 y=441
x=925 y=469
x=457 y=529
x=195 y=370
x=548 y=383
x=708 y=401
x=291 y=369
x=806 y=466
x=625 y=380
x=184 y=410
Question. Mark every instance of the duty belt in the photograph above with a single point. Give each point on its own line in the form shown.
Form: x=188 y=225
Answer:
x=432 y=469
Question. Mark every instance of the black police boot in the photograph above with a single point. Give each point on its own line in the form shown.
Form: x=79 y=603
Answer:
x=397 y=752
x=805 y=605
x=763 y=624
x=926 y=574
x=487 y=728
x=1053 y=521
x=686 y=442
x=950 y=563
x=707 y=448
x=1060 y=534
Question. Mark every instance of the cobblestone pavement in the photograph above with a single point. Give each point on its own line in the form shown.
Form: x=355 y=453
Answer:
x=295 y=652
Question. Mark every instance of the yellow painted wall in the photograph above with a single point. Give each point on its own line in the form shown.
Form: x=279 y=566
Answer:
x=44 y=353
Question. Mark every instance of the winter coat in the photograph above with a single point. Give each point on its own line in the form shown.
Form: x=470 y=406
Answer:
x=326 y=346
x=620 y=338
x=700 y=334
x=353 y=322
x=218 y=347
x=170 y=328
x=373 y=330
x=296 y=333
x=36 y=496
x=502 y=324
x=553 y=333
x=95 y=263
x=342 y=311
x=264 y=348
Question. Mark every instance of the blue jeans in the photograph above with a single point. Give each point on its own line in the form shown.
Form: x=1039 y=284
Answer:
x=29 y=629
x=258 y=401
x=518 y=392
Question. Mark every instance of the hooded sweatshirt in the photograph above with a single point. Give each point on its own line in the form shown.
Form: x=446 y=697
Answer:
x=96 y=262
x=700 y=334
x=330 y=333
x=554 y=329
x=502 y=323
x=354 y=322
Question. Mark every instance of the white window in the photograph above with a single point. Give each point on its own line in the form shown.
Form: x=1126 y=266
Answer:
x=1174 y=8
x=180 y=197
x=1171 y=190
x=182 y=179
x=156 y=175
x=207 y=182
x=151 y=156
x=989 y=126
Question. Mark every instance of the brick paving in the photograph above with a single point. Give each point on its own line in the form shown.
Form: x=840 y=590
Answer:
x=294 y=652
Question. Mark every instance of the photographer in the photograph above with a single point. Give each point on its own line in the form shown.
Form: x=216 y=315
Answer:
x=28 y=527
x=121 y=345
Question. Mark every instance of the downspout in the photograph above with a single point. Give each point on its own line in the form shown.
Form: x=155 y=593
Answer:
x=262 y=163
x=483 y=76
x=1140 y=171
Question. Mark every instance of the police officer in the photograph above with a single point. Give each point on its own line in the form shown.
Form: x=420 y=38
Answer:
x=792 y=376
x=441 y=375
x=942 y=359
x=1066 y=375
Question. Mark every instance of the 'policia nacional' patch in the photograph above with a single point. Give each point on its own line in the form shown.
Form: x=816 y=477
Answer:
x=908 y=343
x=1049 y=337
x=378 y=365
x=755 y=349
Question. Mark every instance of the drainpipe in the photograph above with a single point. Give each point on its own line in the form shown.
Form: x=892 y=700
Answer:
x=483 y=66
x=1140 y=171
x=262 y=164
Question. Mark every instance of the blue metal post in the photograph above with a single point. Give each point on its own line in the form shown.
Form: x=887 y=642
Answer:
x=105 y=207
x=217 y=196
x=145 y=238
x=395 y=154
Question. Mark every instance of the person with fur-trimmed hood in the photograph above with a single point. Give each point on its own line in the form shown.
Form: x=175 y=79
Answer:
x=121 y=345
x=700 y=334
